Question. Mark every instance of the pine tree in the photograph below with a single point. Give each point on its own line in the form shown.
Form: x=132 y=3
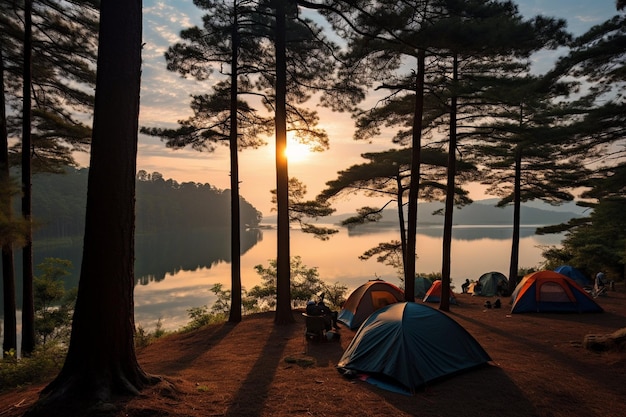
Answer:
x=388 y=174
x=45 y=71
x=101 y=360
x=383 y=36
x=226 y=39
x=479 y=43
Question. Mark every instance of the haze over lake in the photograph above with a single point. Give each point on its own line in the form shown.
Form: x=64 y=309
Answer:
x=175 y=271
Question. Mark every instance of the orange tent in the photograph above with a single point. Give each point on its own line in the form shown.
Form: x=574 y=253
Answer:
x=434 y=294
x=366 y=299
x=549 y=291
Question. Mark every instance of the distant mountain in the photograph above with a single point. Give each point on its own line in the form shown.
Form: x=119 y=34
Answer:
x=567 y=207
x=481 y=212
x=532 y=213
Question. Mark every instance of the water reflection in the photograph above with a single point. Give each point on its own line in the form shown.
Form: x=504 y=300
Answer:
x=460 y=232
x=169 y=254
x=175 y=272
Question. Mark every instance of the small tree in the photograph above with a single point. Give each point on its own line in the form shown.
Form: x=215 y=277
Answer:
x=54 y=305
x=305 y=285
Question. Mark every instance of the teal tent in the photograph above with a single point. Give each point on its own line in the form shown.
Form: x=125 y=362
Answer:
x=406 y=345
x=492 y=283
x=422 y=285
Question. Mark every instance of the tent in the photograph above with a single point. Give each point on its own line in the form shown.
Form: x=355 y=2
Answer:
x=406 y=345
x=575 y=274
x=490 y=282
x=422 y=285
x=433 y=295
x=366 y=299
x=548 y=292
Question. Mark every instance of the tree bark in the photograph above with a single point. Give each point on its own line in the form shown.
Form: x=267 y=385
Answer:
x=517 y=206
x=101 y=360
x=28 y=303
x=409 y=269
x=235 y=225
x=9 y=342
x=401 y=220
x=444 y=304
x=283 y=265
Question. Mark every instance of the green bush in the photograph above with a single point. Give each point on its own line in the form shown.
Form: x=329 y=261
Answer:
x=200 y=316
x=143 y=338
x=44 y=364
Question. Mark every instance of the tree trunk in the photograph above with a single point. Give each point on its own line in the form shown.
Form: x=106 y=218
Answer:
x=9 y=342
x=101 y=360
x=283 y=264
x=517 y=205
x=28 y=303
x=235 y=225
x=401 y=221
x=411 y=250
x=450 y=192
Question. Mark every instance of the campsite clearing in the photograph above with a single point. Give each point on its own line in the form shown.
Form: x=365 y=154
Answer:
x=539 y=368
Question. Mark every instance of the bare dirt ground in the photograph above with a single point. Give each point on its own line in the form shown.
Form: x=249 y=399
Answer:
x=254 y=368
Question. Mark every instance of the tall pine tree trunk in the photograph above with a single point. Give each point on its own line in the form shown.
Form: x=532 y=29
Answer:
x=517 y=206
x=28 y=306
x=416 y=151
x=9 y=342
x=235 y=225
x=283 y=264
x=450 y=192
x=101 y=360
x=401 y=220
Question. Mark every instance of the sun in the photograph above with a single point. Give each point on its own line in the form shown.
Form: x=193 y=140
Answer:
x=296 y=151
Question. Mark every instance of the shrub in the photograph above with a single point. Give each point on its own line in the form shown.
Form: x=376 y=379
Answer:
x=43 y=364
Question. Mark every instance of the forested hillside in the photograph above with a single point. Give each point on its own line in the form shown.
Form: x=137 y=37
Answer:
x=162 y=205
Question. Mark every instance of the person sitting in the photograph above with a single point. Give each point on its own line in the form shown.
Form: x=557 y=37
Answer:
x=497 y=303
x=465 y=286
x=321 y=309
x=478 y=288
x=487 y=304
x=312 y=309
x=600 y=283
x=329 y=315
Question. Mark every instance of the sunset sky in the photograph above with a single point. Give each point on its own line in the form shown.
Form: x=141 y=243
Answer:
x=165 y=98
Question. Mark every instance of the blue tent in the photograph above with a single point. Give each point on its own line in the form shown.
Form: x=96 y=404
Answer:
x=575 y=274
x=407 y=345
x=422 y=285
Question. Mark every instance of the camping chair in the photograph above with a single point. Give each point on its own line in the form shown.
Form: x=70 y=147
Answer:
x=315 y=328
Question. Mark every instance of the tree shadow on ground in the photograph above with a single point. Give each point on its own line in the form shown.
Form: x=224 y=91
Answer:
x=250 y=399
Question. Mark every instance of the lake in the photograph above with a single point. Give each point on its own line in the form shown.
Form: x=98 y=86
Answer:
x=475 y=250
x=175 y=272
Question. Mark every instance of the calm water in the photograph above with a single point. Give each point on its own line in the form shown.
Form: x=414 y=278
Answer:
x=475 y=250
x=176 y=272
